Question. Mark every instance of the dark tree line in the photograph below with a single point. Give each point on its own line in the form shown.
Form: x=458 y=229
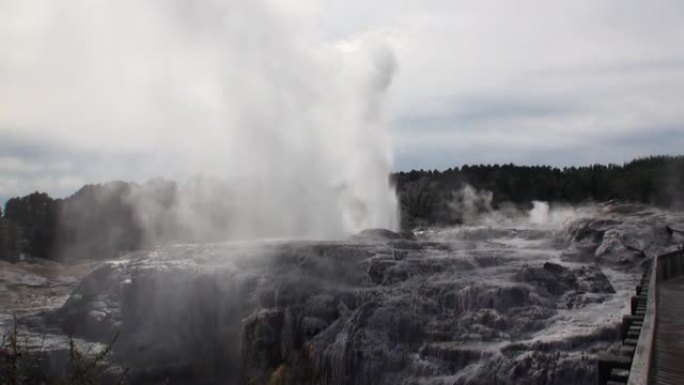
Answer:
x=11 y=238
x=100 y=221
x=35 y=217
x=426 y=196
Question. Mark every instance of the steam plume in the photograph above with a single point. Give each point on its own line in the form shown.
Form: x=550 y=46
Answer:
x=237 y=91
x=475 y=208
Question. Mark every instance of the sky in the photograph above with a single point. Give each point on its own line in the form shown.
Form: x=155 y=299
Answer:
x=525 y=82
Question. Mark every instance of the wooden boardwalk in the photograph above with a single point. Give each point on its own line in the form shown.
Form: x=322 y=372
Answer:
x=668 y=355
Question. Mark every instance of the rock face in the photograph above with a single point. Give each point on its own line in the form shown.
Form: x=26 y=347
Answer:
x=554 y=279
x=623 y=235
x=325 y=313
x=469 y=306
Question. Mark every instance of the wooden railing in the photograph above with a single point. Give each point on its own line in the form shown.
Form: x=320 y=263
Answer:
x=632 y=366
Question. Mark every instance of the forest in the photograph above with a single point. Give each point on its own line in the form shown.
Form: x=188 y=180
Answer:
x=99 y=221
x=426 y=196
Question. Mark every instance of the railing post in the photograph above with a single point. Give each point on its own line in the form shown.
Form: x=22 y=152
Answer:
x=641 y=362
x=638 y=328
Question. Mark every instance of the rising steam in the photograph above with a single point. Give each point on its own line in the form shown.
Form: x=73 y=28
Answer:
x=239 y=92
x=475 y=208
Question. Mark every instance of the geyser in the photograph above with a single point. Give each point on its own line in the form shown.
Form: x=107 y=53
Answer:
x=244 y=93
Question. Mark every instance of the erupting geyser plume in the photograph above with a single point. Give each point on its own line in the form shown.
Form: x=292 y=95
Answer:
x=241 y=92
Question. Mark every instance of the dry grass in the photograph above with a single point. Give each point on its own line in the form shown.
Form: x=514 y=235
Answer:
x=21 y=363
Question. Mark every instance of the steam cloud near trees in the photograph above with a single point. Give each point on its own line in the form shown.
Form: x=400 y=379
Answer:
x=240 y=93
x=105 y=220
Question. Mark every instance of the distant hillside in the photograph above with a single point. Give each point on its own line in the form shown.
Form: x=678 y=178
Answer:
x=105 y=220
x=427 y=197
x=102 y=221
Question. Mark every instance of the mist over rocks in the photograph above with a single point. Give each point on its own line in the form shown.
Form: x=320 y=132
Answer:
x=623 y=235
x=274 y=244
x=467 y=305
x=386 y=310
x=383 y=234
x=555 y=279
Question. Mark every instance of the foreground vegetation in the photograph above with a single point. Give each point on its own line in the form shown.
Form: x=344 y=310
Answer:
x=23 y=363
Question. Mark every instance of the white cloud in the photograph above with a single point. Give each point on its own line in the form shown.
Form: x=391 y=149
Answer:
x=616 y=69
x=520 y=78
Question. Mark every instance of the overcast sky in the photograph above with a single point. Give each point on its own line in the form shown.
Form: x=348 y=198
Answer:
x=525 y=81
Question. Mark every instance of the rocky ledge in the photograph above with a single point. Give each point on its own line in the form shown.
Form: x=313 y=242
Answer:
x=466 y=306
